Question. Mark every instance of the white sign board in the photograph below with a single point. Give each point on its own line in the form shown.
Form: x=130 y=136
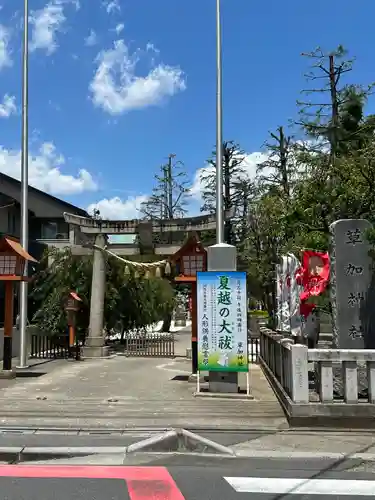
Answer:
x=222 y=321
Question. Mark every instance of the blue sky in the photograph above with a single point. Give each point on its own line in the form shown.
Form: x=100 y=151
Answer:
x=115 y=86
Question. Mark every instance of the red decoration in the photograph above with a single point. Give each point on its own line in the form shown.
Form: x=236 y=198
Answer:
x=313 y=276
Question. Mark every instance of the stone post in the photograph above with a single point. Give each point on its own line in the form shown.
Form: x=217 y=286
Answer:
x=95 y=347
x=351 y=283
x=352 y=293
x=299 y=376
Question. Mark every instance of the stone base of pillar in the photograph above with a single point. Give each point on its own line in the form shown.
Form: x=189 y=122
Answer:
x=226 y=382
x=95 y=352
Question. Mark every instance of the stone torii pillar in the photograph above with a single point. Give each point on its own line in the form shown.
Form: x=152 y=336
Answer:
x=95 y=341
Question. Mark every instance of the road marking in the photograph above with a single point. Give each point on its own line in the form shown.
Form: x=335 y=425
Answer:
x=284 y=486
x=142 y=482
x=164 y=367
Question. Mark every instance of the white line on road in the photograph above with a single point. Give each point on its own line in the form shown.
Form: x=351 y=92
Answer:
x=171 y=363
x=284 y=486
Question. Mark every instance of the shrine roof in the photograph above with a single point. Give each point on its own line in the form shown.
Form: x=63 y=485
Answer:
x=75 y=296
x=9 y=243
x=191 y=243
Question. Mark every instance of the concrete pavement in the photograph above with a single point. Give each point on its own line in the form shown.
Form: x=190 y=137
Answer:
x=123 y=392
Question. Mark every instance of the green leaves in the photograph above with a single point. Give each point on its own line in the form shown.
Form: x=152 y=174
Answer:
x=133 y=302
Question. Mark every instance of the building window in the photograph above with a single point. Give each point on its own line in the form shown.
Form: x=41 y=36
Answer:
x=8 y=265
x=54 y=230
x=49 y=230
x=11 y=223
x=192 y=264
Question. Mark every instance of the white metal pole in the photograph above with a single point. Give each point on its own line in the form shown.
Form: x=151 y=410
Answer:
x=24 y=185
x=219 y=132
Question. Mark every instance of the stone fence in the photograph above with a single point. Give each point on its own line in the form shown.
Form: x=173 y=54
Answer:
x=327 y=387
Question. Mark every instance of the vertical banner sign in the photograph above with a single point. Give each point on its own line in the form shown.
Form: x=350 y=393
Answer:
x=288 y=314
x=222 y=321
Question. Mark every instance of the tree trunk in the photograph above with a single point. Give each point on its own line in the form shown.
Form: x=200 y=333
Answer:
x=167 y=323
x=122 y=338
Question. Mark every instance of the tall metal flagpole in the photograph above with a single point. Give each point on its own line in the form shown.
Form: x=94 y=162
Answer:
x=24 y=184
x=219 y=132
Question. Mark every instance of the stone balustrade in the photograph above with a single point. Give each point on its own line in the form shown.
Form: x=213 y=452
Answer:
x=287 y=362
x=320 y=386
x=350 y=361
x=290 y=364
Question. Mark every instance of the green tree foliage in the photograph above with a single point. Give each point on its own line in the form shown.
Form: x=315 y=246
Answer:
x=133 y=302
x=305 y=184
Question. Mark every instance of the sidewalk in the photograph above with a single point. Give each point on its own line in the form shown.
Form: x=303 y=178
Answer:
x=36 y=368
x=307 y=444
x=123 y=392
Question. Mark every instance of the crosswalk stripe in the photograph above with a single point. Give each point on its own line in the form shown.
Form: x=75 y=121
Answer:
x=283 y=486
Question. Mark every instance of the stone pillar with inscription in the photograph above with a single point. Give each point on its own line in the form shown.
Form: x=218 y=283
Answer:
x=351 y=283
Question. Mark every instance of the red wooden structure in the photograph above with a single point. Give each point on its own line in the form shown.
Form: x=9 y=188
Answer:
x=191 y=258
x=12 y=266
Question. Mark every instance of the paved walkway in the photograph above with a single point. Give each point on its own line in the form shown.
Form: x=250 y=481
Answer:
x=121 y=392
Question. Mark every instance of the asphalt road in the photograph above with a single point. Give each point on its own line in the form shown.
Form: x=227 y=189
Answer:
x=193 y=478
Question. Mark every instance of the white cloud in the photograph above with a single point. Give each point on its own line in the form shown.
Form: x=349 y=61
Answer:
x=118 y=209
x=76 y=3
x=5 y=59
x=45 y=171
x=119 y=28
x=249 y=164
x=8 y=106
x=47 y=23
x=92 y=39
x=111 y=6
x=150 y=47
x=117 y=89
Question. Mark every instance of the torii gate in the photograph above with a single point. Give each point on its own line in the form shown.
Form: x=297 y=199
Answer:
x=95 y=232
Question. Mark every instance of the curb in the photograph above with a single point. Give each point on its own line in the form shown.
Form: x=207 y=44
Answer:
x=60 y=452
x=65 y=450
x=104 y=431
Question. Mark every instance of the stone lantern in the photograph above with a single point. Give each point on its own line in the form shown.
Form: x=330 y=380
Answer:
x=72 y=305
